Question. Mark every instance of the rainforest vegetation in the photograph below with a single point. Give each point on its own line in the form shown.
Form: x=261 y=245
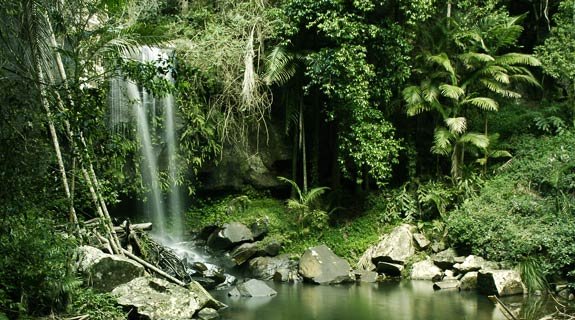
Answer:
x=456 y=116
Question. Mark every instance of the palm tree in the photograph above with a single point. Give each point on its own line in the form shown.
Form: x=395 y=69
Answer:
x=467 y=76
x=305 y=202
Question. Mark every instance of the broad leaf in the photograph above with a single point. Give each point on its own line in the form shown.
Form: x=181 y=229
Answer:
x=477 y=139
x=442 y=141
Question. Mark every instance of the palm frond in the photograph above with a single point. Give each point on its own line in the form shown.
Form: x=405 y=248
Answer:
x=526 y=78
x=442 y=60
x=313 y=194
x=456 y=125
x=442 y=141
x=482 y=103
x=279 y=66
x=500 y=154
x=477 y=139
x=450 y=91
x=518 y=58
x=469 y=57
x=294 y=186
x=497 y=88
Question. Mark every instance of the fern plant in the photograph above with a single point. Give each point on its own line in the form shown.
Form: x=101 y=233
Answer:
x=306 y=205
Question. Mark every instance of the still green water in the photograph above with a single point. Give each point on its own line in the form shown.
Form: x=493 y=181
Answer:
x=405 y=300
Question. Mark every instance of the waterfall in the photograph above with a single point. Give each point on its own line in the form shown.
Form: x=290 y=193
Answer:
x=155 y=122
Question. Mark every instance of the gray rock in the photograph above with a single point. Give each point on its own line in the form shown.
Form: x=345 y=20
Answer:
x=499 y=282
x=421 y=241
x=445 y=259
x=153 y=298
x=390 y=269
x=438 y=246
x=271 y=248
x=253 y=288
x=450 y=275
x=426 y=270
x=259 y=228
x=396 y=247
x=445 y=285
x=208 y=314
x=244 y=252
x=230 y=234
x=366 y=276
x=320 y=265
x=104 y=271
x=468 y=281
x=264 y=268
x=474 y=263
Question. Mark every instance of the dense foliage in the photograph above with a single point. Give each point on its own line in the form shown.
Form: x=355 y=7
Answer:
x=455 y=116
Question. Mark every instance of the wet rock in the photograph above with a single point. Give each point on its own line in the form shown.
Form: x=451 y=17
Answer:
x=104 y=271
x=264 y=268
x=468 y=281
x=270 y=248
x=320 y=265
x=421 y=241
x=199 y=267
x=474 y=263
x=445 y=285
x=252 y=288
x=153 y=298
x=445 y=259
x=426 y=270
x=366 y=276
x=396 y=247
x=390 y=269
x=208 y=314
x=230 y=234
x=205 y=232
x=499 y=282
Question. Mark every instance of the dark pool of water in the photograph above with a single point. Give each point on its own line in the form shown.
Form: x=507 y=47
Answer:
x=394 y=300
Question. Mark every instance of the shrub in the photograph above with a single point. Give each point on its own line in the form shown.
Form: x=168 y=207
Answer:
x=35 y=266
x=526 y=211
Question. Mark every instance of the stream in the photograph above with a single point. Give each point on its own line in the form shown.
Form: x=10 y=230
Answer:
x=390 y=300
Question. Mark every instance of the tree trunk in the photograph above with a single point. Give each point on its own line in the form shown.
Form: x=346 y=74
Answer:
x=303 y=146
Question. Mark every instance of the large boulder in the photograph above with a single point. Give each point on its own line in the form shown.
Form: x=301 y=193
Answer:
x=421 y=241
x=500 y=282
x=426 y=270
x=152 y=298
x=265 y=268
x=396 y=247
x=252 y=288
x=468 y=281
x=230 y=234
x=366 y=276
x=104 y=271
x=445 y=259
x=244 y=252
x=320 y=265
x=475 y=263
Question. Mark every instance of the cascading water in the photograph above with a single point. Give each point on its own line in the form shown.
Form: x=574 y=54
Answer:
x=155 y=147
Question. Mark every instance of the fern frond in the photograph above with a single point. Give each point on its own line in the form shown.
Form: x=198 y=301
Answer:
x=483 y=103
x=294 y=186
x=442 y=60
x=497 y=88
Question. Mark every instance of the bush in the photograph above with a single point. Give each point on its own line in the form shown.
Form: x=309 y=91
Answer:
x=526 y=211
x=35 y=266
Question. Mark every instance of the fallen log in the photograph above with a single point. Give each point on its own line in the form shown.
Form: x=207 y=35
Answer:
x=135 y=227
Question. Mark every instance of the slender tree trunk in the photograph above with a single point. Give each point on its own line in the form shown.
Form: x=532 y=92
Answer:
x=72 y=214
x=92 y=180
x=303 y=147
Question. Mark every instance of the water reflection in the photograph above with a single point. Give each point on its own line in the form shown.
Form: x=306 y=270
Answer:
x=389 y=300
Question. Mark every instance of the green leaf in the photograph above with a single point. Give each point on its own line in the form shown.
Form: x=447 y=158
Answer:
x=477 y=139
x=456 y=125
x=450 y=91
x=442 y=139
x=483 y=103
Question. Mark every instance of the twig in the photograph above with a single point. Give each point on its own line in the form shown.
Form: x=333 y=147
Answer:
x=506 y=312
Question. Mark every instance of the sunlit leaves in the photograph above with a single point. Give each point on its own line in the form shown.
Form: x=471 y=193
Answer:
x=483 y=103
x=450 y=91
x=456 y=125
